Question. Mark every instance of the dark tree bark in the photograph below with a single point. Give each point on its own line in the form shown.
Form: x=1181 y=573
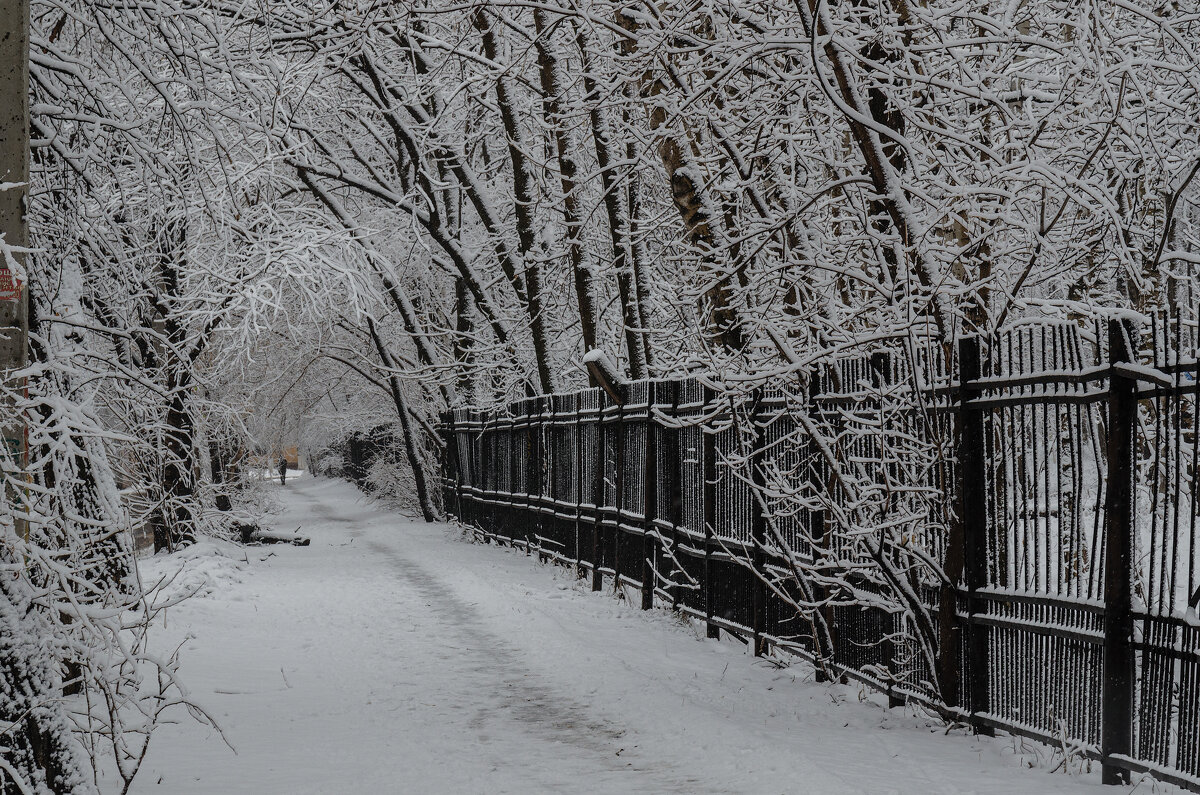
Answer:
x=617 y=212
x=674 y=151
x=428 y=510
x=523 y=199
x=552 y=104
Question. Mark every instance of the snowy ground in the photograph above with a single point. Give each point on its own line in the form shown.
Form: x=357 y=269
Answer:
x=392 y=657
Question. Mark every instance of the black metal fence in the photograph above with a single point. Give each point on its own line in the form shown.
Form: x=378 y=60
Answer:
x=1015 y=545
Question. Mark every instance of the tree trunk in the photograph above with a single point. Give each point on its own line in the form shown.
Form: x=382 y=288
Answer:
x=721 y=315
x=637 y=249
x=523 y=206
x=464 y=345
x=174 y=522
x=37 y=738
x=428 y=510
x=616 y=208
x=552 y=89
x=220 y=475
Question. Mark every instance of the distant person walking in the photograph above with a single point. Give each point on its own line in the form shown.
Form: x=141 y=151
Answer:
x=283 y=472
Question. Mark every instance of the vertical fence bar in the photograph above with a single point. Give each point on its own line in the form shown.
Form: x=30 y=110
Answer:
x=546 y=424
x=545 y=485
x=598 y=512
x=650 y=511
x=821 y=649
x=487 y=435
x=579 y=453
x=972 y=514
x=949 y=660
x=820 y=537
x=710 y=514
x=880 y=374
x=454 y=468
x=531 y=517
x=619 y=495
x=1118 y=686
x=758 y=523
x=674 y=461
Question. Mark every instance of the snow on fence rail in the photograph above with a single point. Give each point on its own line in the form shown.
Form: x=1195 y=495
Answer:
x=1014 y=545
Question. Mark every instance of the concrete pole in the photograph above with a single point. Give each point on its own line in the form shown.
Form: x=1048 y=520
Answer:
x=14 y=198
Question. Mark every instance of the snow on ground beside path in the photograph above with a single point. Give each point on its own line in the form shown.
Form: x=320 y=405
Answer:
x=392 y=657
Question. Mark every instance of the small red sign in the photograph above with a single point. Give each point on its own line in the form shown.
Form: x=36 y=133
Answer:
x=10 y=286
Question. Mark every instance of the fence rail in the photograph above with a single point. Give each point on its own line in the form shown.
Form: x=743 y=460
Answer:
x=1015 y=545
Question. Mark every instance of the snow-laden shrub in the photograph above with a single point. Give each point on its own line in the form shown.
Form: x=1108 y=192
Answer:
x=391 y=481
x=327 y=463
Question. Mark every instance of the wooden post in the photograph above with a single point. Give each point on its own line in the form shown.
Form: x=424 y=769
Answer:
x=972 y=512
x=710 y=516
x=604 y=372
x=1116 y=733
x=758 y=523
x=14 y=223
x=650 y=511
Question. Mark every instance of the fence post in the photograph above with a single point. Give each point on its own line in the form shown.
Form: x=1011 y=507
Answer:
x=823 y=655
x=880 y=375
x=545 y=405
x=577 y=462
x=598 y=513
x=474 y=455
x=650 y=509
x=481 y=501
x=819 y=532
x=450 y=482
x=674 y=460
x=710 y=514
x=531 y=455
x=491 y=471
x=546 y=427
x=619 y=495
x=972 y=514
x=758 y=523
x=1116 y=737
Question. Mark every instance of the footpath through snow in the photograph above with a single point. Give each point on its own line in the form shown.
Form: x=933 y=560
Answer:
x=392 y=657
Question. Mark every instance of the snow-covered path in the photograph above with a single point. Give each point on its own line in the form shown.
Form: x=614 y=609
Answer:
x=390 y=656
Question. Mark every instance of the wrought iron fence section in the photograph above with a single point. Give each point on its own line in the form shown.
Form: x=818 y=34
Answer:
x=1036 y=572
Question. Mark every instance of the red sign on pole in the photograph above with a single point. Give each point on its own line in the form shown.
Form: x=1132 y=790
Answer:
x=10 y=286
